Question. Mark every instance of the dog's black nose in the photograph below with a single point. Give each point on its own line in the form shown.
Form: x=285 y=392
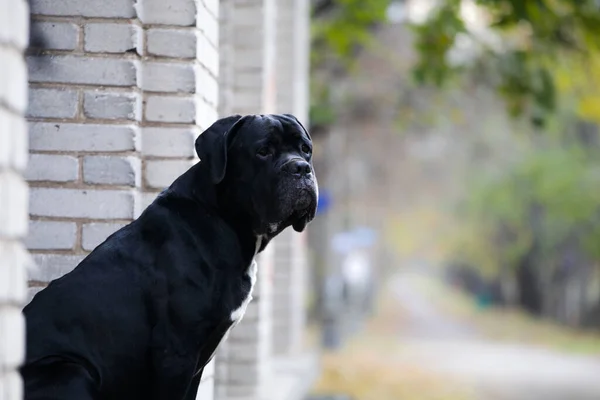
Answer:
x=298 y=167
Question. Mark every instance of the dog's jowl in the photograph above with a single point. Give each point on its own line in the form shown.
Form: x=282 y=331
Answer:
x=141 y=315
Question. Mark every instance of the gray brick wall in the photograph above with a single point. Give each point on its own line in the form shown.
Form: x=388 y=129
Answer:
x=14 y=259
x=57 y=35
x=113 y=38
x=174 y=43
x=117 y=96
x=104 y=104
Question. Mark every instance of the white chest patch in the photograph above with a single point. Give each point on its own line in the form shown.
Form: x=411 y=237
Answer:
x=238 y=313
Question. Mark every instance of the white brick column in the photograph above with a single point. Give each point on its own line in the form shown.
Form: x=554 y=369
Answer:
x=294 y=366
x=289 y=293
x=227 y=54
x=179 y=82
x=119 y=90
x=290 y=247
x=14 y=23
x=293 y=55
x=247 y=29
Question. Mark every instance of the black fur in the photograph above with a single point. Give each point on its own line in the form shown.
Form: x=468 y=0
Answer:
x=141 y=316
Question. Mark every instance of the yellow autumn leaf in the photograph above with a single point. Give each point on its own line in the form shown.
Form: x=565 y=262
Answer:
x=589 y=108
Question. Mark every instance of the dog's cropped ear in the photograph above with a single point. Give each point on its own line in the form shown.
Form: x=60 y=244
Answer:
x=211 y=146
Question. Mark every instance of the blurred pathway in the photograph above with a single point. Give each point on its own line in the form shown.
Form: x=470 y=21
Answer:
x=496 y=371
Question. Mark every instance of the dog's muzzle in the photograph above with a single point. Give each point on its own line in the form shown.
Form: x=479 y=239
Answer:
x=305 y=203
x=300 y=192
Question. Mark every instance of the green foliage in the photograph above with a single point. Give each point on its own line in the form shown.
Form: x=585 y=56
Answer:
x=562 y=183
x=339 y=29
x=535 y=34
x=433 y=42
x=346 y=27
x=525 y=79
x=546 y=201
x=321 y=112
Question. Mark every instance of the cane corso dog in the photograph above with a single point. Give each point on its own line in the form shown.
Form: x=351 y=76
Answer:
x=142 y=315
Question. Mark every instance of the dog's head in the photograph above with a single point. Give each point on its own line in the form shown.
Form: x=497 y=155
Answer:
x=263 y=166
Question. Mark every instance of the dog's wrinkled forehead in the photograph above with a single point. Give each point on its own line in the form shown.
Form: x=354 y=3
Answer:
x=280 y=127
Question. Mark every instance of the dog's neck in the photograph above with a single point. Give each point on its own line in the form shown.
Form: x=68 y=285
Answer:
x=196 y=185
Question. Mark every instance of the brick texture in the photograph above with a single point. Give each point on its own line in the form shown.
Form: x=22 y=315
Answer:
x=64 y=168
x=174 y=43
x=81 y=203
x=84 y=8
x=160 y=173
x=46 y=235
x=78 y=137
x=111 y=170
x=88 y=70
x=168 y=77
x=14 y=259
x=174 y=12
x=96 y=232
x=57 y=35
x=169 y=142
x=52 y=266
x=100 y=104
x=173 y=109
x=113 y=38
x=52 y=103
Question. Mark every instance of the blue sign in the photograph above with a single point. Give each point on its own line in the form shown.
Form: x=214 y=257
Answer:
x=324 y=202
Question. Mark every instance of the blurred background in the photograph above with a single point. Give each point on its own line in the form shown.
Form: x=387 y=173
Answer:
x=456 y=253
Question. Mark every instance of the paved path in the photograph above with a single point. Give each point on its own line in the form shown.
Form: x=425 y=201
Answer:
x=496 y=371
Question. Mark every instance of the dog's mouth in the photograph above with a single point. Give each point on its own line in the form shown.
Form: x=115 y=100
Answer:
x=296 y=207
x=300 y=222
x=305 y=209
x=304 y=200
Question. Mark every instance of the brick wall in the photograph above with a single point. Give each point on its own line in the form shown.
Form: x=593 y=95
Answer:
x=14 y=259
x=119 y=90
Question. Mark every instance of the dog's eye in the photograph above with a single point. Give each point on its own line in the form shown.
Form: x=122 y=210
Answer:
x=305 y=149
x=264 y=151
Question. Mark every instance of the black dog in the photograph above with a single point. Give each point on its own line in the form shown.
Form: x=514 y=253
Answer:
x=141 y=316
